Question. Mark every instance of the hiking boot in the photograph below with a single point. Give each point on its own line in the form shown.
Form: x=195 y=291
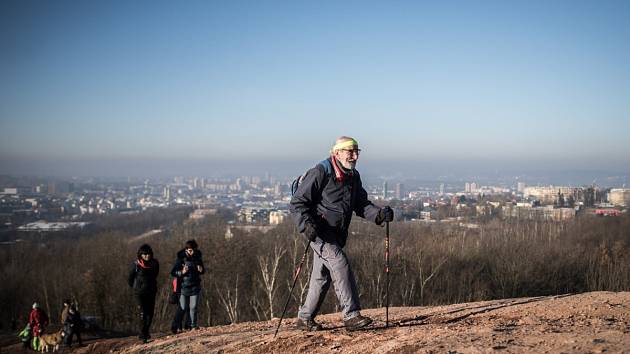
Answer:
x=357 y=322
x=308 y=325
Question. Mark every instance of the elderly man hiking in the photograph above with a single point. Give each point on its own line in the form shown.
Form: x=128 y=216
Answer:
x=322 y=208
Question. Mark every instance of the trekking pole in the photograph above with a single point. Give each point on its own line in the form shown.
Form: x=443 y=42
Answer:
x=387 y=274
x=295 y=277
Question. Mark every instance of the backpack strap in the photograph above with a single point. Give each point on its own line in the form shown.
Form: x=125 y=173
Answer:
x=327 y=166
x=329 y=171
x=324 y=163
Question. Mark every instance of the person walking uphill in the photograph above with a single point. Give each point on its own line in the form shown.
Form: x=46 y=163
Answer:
x=37 y=320
x=72 y=323
x=188 y=269
x=322 y=208
x=142 y=278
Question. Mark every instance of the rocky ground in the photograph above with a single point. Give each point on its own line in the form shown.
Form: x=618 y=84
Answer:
x=595 y=322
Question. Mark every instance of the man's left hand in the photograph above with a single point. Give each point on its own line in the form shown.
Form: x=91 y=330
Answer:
x=386 y=214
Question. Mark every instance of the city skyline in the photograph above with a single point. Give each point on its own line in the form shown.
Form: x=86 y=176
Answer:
x=145 y=87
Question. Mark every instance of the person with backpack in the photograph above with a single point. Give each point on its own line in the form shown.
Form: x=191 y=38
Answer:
x=188 y=269
x=322 y=207
x=143 y=279
x=37 y=320
x=72 y=323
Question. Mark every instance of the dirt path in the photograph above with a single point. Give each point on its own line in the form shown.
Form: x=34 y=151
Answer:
x=593 y=322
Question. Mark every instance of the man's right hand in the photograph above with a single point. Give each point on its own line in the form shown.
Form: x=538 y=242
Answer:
x=309 y=232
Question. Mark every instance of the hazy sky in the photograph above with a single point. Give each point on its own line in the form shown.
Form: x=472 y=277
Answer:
x=524 y=82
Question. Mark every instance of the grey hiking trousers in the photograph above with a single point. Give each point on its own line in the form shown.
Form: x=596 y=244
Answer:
x=330 y=264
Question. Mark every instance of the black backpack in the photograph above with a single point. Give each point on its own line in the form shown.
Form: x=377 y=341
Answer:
x=296 y=182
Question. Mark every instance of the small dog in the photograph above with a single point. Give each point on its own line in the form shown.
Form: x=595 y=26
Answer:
x=51 y=341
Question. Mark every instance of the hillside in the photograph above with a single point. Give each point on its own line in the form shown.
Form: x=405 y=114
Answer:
x=591 y=322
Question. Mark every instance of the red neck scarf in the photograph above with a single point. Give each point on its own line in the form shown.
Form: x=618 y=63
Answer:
x=340 y=175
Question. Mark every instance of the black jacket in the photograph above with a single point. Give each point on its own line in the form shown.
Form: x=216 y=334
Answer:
x=143 y=278
x=73 y=321
x=329 y=204
x=189 y=283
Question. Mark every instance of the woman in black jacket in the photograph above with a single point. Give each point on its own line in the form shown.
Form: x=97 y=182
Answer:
x=142 y=278
x=72 y=323
x=188 y=269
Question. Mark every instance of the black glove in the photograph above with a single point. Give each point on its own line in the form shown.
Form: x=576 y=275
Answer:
x=309 y=232
x=386 y=214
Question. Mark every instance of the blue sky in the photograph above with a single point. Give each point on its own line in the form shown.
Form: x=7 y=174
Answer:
x=519 y=83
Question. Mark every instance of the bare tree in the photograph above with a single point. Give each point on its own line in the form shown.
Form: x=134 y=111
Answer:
x=424 y=277
x=302 y=283
x=256 y=305
x=229 y=300
x=407 y=285
x=269 y=266
x=209 y=311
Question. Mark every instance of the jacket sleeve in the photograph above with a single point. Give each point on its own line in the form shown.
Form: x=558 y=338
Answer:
x=304 y=202
x=132 y=275
x=176 y=271
x=362 y=206
x=203 y=267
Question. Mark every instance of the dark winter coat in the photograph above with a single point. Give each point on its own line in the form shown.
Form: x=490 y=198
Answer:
x=73 y=321
x=143 y=276
x=189 y=283
x=328 y=204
